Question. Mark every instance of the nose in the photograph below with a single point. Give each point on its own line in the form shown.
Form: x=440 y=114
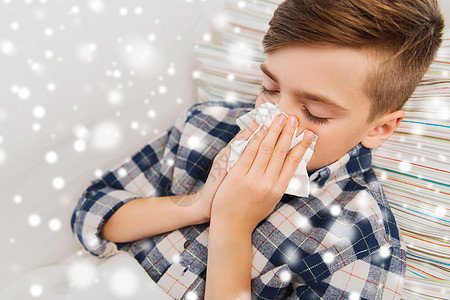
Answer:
x=285 y=109
x=292 y=111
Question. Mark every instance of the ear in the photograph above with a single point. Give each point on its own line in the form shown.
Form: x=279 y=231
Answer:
x=383 y=129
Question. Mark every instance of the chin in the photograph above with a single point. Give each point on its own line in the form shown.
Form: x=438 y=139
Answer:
x=311 y=169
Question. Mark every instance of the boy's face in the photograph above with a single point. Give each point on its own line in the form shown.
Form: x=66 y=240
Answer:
x=303 y=79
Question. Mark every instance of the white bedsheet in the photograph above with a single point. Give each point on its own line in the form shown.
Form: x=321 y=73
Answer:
x=82 y=276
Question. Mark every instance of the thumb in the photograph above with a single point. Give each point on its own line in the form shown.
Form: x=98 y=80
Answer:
x=217 y=173
x=219 y=167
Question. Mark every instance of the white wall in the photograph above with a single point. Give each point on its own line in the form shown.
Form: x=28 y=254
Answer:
x=89 y=83
x=445 y=6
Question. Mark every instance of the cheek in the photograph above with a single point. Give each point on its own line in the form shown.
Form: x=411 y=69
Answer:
x=319 y=130
x=331 y=135
x=328 y=148
x=335 y=140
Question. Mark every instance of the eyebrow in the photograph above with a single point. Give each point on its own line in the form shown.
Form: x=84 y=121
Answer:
x=304 y=94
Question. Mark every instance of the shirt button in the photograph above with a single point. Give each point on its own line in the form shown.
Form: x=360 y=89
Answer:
x=187 y=243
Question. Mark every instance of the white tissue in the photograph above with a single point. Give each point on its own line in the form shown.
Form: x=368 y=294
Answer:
x=264 y=115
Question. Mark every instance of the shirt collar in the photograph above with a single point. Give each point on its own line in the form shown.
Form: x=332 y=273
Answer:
x=358 y=160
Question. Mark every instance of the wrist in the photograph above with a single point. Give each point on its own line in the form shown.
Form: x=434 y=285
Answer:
x=229 y=228
x=201 y=212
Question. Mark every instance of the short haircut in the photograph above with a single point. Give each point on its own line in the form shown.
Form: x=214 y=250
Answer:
x=404 y=35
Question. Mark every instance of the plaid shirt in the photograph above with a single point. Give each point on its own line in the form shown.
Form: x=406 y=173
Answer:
x=341 y=242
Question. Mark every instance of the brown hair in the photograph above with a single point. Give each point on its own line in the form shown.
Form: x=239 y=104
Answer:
x=406 y=34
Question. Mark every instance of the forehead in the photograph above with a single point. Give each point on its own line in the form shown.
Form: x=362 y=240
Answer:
x=300 y=94
x=336 y=73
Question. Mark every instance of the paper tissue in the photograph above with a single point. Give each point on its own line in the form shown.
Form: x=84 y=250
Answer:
x=264 y=115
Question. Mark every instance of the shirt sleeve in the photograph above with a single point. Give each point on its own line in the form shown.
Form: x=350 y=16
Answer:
x=146 y=174
x=327 y=275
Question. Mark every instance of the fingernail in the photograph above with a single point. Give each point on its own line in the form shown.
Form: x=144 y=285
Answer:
x=293 y=121
x=309 y=136
x=264 y=129
x=281 y=119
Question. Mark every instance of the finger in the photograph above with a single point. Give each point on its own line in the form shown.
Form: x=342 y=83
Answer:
x=246 y=132
x=247 y=157
x=221 y=159
x=268 y=144
x=295 y=157
x=243 y=135
x=282 y=148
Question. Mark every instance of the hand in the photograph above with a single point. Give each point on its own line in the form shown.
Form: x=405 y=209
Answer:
x=205 y=195
x=258 y=180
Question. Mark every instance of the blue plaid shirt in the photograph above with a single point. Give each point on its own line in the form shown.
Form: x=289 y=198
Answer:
x=341 y=242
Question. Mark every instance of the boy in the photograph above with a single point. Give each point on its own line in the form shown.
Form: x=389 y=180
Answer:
x=341 y=69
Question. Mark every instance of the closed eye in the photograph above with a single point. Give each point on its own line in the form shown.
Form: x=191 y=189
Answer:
x=268 y=92
x=309 y=116
x=314 y=119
